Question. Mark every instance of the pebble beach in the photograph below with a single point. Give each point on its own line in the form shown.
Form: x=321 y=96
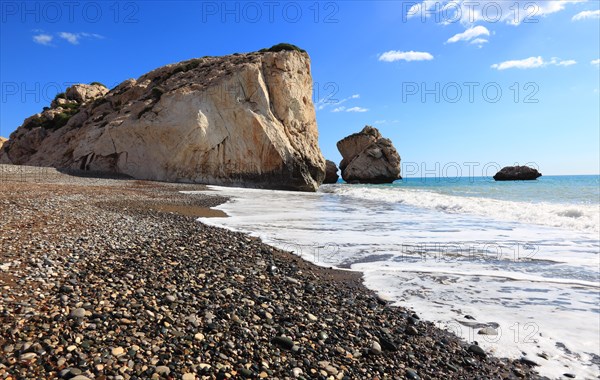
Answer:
x=110 y=278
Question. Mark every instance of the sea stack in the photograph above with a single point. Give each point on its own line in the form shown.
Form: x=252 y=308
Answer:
x=240 y=120
x=368 y=158
x=517 y=173
x=331 y=175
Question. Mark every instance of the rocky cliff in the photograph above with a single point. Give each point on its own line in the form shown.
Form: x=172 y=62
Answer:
x=241 y=120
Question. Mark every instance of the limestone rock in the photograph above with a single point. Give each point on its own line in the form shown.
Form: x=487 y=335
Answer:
x=368 y=158
x=83 y=93
x=331 y=170
x=241 y=120
x=517 y=173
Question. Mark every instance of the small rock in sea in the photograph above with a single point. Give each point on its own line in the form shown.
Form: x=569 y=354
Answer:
x=283 y=342
x=412 y=374
x=477 y=350
x=488 y=331
x=78 y=313
x=528 y=362
x=375 y=348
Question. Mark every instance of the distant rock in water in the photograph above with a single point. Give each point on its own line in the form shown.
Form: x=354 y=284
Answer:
x=241 y=120
x=331 y=169
x=368 y=158
x=517 y=173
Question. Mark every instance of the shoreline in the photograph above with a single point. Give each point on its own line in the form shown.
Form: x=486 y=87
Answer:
x=100 y=285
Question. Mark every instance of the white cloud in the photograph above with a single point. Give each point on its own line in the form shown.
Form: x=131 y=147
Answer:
x=585 y=15
x=557 y=62
x=479 y=41
x=43 y=39
x=395 y=55
x=595 y=62
x=527 y=63
x=72 y=38
x=357 y=109
x=532 y=63
x=469 y=34
x=468 y=12
x=338 y=109
x=327 y=101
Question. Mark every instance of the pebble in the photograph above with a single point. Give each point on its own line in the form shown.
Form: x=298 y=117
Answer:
x=118 y=351
x=411 y=330
x=529 y=362
x=488 y=331
x=188 y=376
x=375 y=348
x=163 y=370
x=78 y=313
x=28 y=356
x=477 y=350
x=199 y=336
x=283 y=342
x=296 y=372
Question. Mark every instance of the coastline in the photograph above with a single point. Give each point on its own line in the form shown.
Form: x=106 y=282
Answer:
x=111 y=277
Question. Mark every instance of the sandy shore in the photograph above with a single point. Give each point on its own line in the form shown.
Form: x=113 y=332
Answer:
x=114 y=279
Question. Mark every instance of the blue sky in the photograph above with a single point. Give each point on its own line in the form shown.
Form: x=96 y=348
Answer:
x=454 y=84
